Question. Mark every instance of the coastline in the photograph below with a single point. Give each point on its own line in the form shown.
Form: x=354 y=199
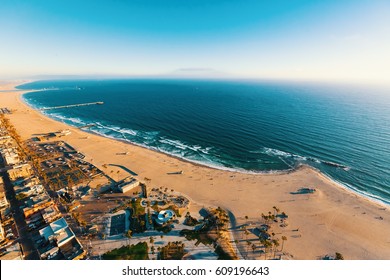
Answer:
x=194 y=162
x=372 y=199
x=317 y=216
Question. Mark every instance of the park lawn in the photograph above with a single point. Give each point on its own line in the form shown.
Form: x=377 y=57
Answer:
x=138 y=251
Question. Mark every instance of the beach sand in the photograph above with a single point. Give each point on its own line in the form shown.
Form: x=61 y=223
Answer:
x=330 y=220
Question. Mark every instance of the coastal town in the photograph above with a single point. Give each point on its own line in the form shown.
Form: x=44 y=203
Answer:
x=56 y=205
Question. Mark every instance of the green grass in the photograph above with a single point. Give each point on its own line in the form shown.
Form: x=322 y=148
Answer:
x=137 y=208
x=138 y=251
x=200 y=237
x=174 y=209
x=222 y=255
x=172 y=251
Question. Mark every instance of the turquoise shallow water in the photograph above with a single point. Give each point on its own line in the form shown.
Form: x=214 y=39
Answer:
x=343 y=131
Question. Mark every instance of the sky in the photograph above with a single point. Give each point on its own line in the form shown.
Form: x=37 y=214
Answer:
x=291 y=39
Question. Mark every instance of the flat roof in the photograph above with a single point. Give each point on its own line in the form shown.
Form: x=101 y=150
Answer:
x=64 y=236
x=58 y=225
x=60 y=230
x=46 y=232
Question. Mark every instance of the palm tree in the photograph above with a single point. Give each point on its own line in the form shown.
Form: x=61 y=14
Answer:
x=261 y=240
x=339 y=256
x=253 y=247
x=276 y=210
x=246 y=233
x=276 y=244
x=263 y=217
x=248 y=243
x=266 y=218
x=267 y=245
x=284 y=238
x=243 y=229
x=236 y=243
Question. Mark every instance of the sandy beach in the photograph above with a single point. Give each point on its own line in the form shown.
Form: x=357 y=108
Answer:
x=330 y=220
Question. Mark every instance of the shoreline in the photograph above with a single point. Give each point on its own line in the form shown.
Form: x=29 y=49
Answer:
x=332 y=219
x=380 y=202
x=194 y=162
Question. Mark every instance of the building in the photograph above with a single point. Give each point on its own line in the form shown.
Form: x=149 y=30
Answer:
x=10 y=156
x=29 y=190
x=2 y=233
x=20 y=171
x=4 y=140
x=3 y=200
x=26 y=182
x=128 y=185
x=37 y=203
x=59 y=231
x=61 y=242
x=12 y=252
x=50 y=214
x=3 y=204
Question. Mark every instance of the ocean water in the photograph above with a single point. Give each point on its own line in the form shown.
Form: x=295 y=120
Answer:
x=344 y=131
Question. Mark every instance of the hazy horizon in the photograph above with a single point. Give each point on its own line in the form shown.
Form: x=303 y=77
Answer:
x=302 y=40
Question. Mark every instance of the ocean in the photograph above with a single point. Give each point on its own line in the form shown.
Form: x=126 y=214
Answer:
x=246 y=126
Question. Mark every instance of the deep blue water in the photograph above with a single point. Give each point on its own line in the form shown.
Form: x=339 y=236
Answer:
x=249 y=126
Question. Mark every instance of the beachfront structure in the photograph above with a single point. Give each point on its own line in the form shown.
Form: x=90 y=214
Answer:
x=164 y=216
x=10 y=156
x=20 y=171
x=128 y=185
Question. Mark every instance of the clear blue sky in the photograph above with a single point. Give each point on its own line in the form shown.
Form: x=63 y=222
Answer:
x=343 y=40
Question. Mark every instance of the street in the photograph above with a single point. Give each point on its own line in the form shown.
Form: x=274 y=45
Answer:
x=24 y=236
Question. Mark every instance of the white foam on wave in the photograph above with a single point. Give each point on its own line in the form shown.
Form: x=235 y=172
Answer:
x=75 y=121
x=124 y=132
x=350 y=188
x=129 y=131
x=281 y=154
x=185 y=147
x=143 y=138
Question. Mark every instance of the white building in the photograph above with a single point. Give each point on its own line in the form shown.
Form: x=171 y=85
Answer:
x=58 y=230
x=20 y=171
x=10 y=156
x=3 y=200
x=129 y=185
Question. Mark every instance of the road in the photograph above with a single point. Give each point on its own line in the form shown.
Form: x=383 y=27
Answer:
x=27 y=244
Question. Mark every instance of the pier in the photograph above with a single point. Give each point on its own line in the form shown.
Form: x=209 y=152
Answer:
x=72 y=105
